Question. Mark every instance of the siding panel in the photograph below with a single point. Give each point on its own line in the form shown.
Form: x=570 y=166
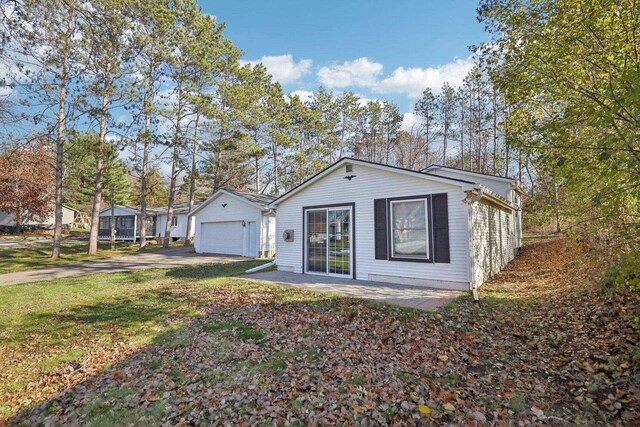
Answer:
x=370 y=184
x=494 y=240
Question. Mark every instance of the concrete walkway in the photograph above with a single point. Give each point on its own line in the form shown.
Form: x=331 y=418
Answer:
x=404 y=295
x=161 y=259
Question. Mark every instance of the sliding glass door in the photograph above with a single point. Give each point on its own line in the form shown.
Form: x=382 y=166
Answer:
x=329 y=241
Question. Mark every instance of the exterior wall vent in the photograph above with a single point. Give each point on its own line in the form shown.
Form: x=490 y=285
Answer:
x=348 y=168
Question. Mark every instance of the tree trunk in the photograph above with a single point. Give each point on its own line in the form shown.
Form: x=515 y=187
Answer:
x=444 y=148
x=462 y=133
x=19 y=219
x=520 y=166
x=188 y=241
x=97 y=194
x=506 y=143
x=64 y=81
x=275 y=169
x=145 y=158
x=257 y=171
x=257 y=161
x=174 y=173
x=556 y=208
x=495 y=134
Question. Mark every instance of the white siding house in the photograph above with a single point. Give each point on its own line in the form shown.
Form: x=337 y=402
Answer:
x=235 y=223
x=179 y=222
x=369 y=221
x=7 y=220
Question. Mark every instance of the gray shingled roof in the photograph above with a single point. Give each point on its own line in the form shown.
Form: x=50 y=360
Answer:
x=178 y=208
x=261 y=200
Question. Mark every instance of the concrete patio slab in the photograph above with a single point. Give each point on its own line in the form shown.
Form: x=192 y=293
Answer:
x=408 y=296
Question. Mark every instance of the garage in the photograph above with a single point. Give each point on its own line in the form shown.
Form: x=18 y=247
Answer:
x=234 y=222
x=222 y=237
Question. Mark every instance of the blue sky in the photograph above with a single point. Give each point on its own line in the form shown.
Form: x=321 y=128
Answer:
x=388 y=50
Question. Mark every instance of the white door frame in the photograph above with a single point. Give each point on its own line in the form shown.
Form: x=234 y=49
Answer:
x=250 y=252
x=350 y=208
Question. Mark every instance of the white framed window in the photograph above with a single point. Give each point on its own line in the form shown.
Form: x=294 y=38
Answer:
x=174 y=221
x=409 y=229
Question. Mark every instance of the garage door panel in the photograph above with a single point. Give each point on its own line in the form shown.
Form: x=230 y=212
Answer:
x=222 y=237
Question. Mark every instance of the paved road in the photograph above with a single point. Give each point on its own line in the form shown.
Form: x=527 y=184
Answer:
x=404 y=295
x=162 y=259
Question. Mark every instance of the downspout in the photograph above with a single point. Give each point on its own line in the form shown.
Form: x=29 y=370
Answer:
x=470 y=201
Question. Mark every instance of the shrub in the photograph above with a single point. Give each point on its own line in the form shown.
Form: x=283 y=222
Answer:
x=625 y=274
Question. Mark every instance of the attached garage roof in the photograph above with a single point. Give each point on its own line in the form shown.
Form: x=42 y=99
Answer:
x=260 y=201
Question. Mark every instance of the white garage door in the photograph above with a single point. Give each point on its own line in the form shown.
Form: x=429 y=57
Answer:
x=222 y=237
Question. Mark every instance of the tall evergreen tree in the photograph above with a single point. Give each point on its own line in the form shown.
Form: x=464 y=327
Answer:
x=153 y=23
x=47 y=34
x=426 y=109
x=107 y=47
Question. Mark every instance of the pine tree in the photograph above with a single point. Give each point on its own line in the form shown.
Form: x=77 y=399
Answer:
x=107 y=46
x=47 y=34
x=426 y=108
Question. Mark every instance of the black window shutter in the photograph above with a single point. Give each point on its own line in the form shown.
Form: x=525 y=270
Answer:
x=380 y=225
x=440 y=228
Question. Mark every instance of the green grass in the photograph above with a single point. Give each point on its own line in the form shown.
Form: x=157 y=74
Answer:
x=46 y=325
x=55 y=361
x=245 y=332
x=36 y=256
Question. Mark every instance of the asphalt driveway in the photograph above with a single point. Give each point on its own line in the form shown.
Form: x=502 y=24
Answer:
x=161 y=259
x=408 y=296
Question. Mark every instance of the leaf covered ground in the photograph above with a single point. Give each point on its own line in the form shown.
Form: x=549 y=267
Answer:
x=544 y=345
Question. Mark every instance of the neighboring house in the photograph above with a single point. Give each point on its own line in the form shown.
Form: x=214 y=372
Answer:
x=126 y=223
x=235 y=223
x=442 y=228
x=178 y=223
x=7 y=220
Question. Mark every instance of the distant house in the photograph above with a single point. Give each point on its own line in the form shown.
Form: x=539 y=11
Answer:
x=235 y=223
x=127 y=220
x=179 y=222
x=442 y=227
x=8 y=222
x=126 y=223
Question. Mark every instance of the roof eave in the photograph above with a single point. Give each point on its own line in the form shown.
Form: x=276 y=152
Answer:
x=488 y=194
x=229 y=193
x=466 y=172
x=465 y=185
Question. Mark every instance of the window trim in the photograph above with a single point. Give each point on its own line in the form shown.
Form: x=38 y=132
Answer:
x=429 y=229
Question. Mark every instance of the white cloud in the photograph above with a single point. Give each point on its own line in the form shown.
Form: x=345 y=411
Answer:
x=410 y=121
x=304 y=95
x=363 y=100
x=359 y=72
x=362 y=72
x=283 y=68
x=412 y=81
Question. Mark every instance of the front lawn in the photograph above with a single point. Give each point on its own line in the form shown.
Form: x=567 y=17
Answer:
x=192 y=346
x=38 y=255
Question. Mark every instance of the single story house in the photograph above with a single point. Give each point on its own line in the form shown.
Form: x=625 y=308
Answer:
x=235 y=223
x=179 y=222
x=126 y=223
x=441 y=228
x=8 y=221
